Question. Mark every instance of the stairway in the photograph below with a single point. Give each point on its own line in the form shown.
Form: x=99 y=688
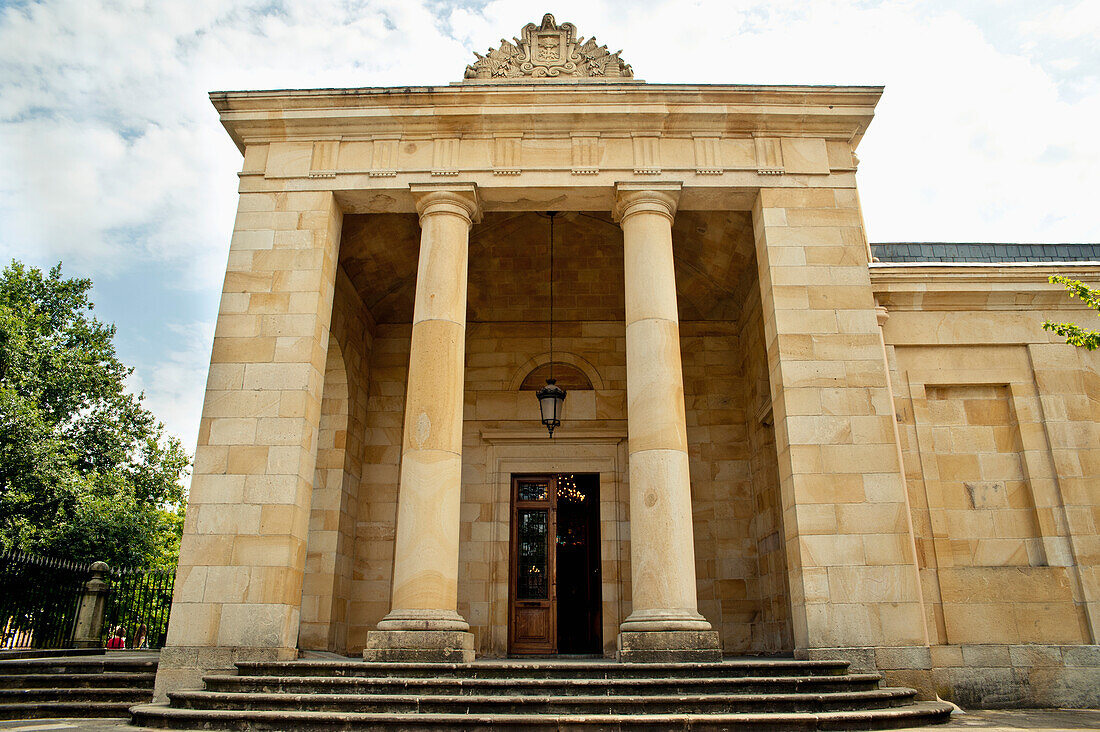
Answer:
x=76 y=686
x=543 y=695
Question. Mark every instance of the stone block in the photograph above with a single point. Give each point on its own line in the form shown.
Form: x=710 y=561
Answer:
x=860 y=659
x=412 y=646
x=1081 y=655
x=673 y=646
x=1035 y=655
x=982 y=687
x=1066 y=687
x=991 y=655
x=903 y=657
x=182 y=667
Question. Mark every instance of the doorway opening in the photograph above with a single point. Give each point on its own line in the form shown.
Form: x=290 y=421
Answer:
x=554 y=584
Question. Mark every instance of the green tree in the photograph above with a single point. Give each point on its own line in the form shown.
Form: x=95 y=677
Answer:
x=86 y=472
x=1072 y=332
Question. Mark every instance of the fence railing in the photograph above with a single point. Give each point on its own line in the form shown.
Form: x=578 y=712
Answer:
x=55 y=603
x=39 y=600
x=138 y=603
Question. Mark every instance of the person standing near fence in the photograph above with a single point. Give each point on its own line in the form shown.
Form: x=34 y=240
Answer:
x=141 y=638
x=117 y=639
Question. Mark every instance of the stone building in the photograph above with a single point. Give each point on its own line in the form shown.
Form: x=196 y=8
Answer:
x=773 y=440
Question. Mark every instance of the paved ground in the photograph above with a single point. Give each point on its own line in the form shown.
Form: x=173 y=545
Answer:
x=1015 y=719
x=1050 y=720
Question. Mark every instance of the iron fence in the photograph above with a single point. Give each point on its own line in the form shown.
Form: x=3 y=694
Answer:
x=138 y=603
x=39 y=599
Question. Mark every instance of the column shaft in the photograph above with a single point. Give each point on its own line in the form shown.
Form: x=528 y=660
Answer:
x=665 y=624
x=423 y=623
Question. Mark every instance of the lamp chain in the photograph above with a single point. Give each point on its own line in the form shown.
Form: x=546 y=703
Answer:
x=552 y=214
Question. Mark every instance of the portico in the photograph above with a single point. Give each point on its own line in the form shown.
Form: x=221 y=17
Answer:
x=658 y=186
x=383 y=326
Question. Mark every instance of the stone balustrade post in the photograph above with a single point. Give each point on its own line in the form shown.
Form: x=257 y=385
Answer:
x=93 y=606
x=665 y=624
x=423 y=623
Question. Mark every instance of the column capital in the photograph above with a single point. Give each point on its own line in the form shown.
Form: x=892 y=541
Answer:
x=460 y=199
x=658 y=198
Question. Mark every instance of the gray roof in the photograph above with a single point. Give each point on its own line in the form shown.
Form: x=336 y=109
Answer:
x=991 y=253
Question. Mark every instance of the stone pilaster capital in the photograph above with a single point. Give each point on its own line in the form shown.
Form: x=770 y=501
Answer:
x=633 y=198
x=459 y=199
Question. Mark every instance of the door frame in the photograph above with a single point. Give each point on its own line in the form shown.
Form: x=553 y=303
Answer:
x=550 y=505
x=526 y=451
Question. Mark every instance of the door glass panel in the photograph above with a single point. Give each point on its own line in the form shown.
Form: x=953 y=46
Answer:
x=534 y=569
x=532 y=491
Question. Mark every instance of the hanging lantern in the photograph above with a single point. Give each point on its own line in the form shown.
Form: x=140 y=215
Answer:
x=551 y=397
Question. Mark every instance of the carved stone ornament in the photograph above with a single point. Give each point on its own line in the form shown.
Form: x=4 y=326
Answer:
x=548 y=50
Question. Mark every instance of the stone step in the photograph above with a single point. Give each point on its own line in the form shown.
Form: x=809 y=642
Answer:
x=547 y=669
x=17 y=653
x=623 y=704
x=90 y=665
x=65 y=710
x=86 y=694
x=78 y=680
x=165 y=717
x=546 y=687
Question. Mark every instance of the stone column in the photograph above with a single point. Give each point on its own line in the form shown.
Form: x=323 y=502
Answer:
x=423 y=623
x=665 y=624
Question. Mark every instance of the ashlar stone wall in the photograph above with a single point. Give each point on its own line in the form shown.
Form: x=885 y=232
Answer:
x=998 y=427
x=326 y=590
x=995 y=547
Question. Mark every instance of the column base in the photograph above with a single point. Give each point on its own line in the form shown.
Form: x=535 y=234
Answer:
x=669 y=646
x=419 y=646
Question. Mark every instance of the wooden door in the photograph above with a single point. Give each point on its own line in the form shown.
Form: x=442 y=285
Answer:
x=533 y=620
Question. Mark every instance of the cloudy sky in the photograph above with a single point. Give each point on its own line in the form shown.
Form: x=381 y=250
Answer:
x=112 y=159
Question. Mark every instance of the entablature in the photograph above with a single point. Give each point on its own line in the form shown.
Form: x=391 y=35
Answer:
x=548 y=110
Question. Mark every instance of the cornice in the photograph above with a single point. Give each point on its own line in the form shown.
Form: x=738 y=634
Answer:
x=839 y=112
x=1012 y=286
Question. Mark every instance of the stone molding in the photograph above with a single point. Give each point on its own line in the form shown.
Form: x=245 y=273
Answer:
x=460 y=199
x=839 y=114
x=634 y=198
x=953 y=286
x=586 y=436
x=543 y=359
x=423 y=619
x=882 y=315
x=664 y=619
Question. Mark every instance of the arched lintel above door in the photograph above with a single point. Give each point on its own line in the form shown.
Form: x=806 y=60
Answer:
x=583 y=366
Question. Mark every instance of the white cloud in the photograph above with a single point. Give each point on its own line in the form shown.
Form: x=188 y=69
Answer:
x=112 y=158
x=1065 y=20
x=175 y=384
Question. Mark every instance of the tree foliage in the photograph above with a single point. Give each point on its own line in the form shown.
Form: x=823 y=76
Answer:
x=1073 y=333
x=86 y=472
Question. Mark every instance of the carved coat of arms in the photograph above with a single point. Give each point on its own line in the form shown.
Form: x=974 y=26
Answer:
x=548 y=50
